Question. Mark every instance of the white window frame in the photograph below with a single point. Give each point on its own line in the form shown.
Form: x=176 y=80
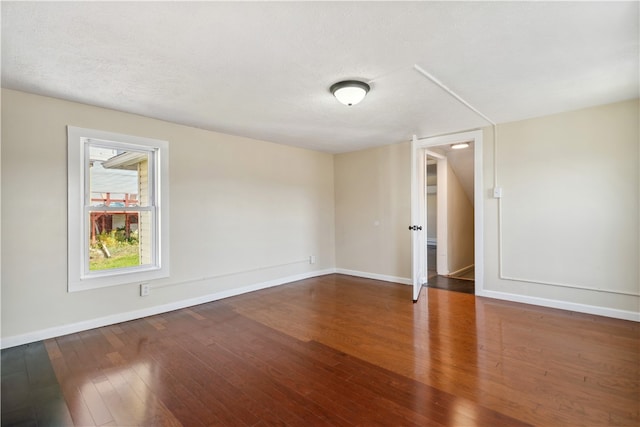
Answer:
x=79 y=276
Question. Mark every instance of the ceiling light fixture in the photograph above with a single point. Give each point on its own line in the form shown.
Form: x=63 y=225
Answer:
x=459 y=146
x=349 y=92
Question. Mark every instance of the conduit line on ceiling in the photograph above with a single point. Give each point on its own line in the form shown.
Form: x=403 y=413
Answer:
x=452 y=93
x=494 y=125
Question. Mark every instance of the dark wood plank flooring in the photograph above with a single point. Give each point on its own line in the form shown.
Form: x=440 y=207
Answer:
x=341 y=350
x=452 y=284
x=31 y=395
x=456 y=284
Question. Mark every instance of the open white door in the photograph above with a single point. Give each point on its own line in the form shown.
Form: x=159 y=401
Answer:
x=418 y=227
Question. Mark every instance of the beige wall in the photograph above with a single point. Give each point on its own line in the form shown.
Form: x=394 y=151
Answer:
x=236 y=204
x=570 y=211
x=459 y=224
x=373 y=204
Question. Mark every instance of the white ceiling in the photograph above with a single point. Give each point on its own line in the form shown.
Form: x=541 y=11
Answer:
x=263 y=70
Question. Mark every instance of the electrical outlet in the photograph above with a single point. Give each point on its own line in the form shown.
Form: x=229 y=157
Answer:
x=312 y=259
x=145 y=289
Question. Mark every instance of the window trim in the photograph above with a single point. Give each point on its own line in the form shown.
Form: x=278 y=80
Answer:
x=79 y=278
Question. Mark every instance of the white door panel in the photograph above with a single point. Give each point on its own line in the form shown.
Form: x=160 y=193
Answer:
x=418 y=226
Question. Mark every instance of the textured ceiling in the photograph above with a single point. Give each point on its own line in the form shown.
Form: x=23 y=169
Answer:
x=263 y=69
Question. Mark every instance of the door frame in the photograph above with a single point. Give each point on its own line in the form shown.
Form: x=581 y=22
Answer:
x=419 y=147
x=442 y=257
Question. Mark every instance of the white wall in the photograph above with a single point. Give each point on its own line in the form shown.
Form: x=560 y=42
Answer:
x=570 y=211
x=236 y=204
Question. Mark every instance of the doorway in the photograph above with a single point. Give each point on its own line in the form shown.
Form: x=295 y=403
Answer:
x=444 y=261
x=450 y=228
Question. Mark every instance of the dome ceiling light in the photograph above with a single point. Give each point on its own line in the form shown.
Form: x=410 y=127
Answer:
x=460 y=146
x=349 y=92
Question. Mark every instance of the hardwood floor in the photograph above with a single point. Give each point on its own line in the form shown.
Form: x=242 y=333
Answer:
x=30 y=392
x=341 y=350
x=452 y=284
x=465 y=284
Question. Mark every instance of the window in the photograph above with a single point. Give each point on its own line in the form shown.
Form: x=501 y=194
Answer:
x=117 y=209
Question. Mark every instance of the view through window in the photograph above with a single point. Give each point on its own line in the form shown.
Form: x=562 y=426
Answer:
x=119 y=234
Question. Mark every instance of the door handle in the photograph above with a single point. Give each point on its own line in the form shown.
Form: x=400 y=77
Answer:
x=415 y=227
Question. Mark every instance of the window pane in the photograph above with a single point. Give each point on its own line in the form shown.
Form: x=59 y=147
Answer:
x=118 y=178
x=115 y=241
x=117 y=233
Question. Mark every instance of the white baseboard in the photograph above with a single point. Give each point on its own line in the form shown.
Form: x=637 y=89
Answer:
x=462 y=270
x=383 y=277
x=57 y=331
x=72 y=328
x=563 y=305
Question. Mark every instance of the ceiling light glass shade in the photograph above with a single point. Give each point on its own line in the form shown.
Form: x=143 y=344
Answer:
x=349 y=92
x=459 y=146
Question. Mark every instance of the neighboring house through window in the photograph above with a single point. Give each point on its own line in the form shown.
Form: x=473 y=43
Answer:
x=118 y=209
